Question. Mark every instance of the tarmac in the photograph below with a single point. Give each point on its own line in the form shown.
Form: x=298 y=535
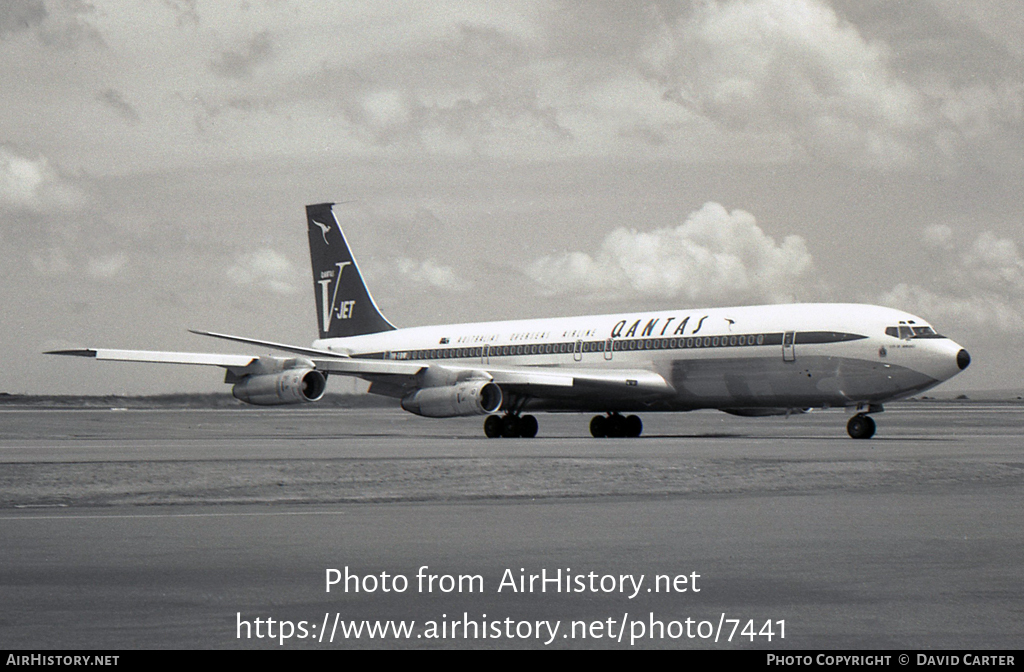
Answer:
x=144 y=529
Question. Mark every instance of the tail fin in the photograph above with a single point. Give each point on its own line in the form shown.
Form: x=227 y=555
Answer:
x=344 y=306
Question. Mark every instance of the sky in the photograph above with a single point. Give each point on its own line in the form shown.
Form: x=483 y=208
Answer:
x=500 y=161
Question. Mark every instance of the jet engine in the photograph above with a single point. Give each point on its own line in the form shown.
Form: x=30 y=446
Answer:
x=479 y=397
x=292 y=386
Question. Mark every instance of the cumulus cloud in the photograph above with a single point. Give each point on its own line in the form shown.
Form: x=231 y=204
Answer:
x=32 y=184
x=470 y=88
x=980 y=285
x=789 y=67
x=265 y=268
x=714 y=256
x=428 y=273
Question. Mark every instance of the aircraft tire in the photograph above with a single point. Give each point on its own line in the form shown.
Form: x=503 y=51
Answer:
x=492 y=426
x=616 y=426
x=861 y=426
x=528 y=426
x=599 y=427
x=633 y=426
x=511 y=427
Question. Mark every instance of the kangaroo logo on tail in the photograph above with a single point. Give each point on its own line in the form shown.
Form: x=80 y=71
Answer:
x=344 y=305
x=323 y=229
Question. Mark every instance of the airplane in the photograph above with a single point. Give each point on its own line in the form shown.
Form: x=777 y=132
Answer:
x=747 y=360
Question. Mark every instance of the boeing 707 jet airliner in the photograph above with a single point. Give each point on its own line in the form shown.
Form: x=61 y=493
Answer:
x=751 y=360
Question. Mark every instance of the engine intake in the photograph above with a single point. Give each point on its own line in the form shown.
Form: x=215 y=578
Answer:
x=293 y=386
x=473 y=398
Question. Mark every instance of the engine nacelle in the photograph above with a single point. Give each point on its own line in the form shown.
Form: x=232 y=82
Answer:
x=292 y=386
x=478 y=397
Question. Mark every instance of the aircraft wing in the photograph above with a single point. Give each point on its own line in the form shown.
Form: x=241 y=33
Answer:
x=397 y=378
x=153 y=356
x=340 y=365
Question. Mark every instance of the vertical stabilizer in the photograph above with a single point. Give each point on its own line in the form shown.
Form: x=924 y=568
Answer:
x=344 y=306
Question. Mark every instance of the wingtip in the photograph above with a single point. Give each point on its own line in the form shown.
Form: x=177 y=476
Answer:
x=78 y=352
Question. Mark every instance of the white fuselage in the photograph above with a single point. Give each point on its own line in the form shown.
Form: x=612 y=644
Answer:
x=777 y=356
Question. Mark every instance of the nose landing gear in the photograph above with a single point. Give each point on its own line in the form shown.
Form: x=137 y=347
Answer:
x=861 y=426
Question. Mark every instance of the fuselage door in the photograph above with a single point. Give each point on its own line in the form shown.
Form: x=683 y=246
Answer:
x=577 y=351
x=487 y=354
x=788 y=352
x=608 y=349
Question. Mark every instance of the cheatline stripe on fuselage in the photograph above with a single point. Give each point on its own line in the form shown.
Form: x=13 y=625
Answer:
x=618 y=345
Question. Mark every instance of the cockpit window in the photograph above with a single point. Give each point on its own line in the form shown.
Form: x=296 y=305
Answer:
x=926 y=332
x=906 y=332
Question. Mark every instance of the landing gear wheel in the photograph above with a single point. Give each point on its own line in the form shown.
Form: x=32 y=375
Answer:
x=511 y=427
x=633 y=426
x=492 y=426
x=528 y=426
x=616 y=426
x=861 y=426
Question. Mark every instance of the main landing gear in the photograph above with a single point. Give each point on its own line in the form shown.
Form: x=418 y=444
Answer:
x=514 y=426
x=861 y=426
x=510 y=426
x=616 y=426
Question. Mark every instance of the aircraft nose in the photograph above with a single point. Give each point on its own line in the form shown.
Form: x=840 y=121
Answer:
x=963 y=359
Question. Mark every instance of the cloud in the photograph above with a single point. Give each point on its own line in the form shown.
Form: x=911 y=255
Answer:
x=265 y=268
x=19 y=15
x=32 y=184
x=64 y=26
x=789 y=67
x=428 y=273
x=715 y=256
x=50 y=262
x=239 y=65
x=979 y=286
x=1000 y=20
x=114 y=100
x=108 y=266
x=184 y=11
x=470 y=89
